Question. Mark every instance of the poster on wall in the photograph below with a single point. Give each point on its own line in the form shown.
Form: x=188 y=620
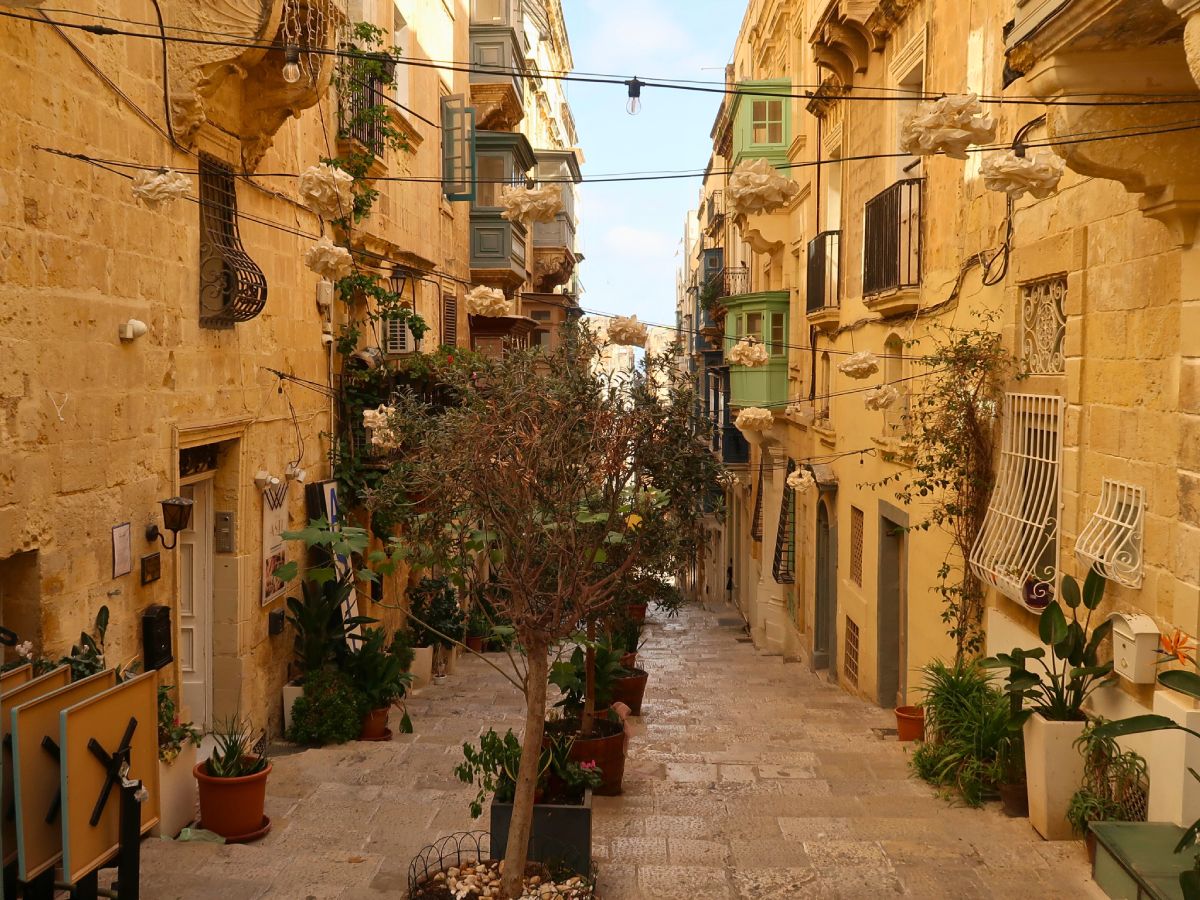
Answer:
x=122 y=550
x=274 y=548
x=322 y=502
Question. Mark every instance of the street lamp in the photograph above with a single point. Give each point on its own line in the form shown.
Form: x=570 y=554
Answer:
x=177 y=514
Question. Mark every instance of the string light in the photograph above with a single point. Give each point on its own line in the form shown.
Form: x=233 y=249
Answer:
x=634 y=106
x=291 y=65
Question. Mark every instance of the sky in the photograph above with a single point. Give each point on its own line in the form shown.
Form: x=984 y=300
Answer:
x=630 y=233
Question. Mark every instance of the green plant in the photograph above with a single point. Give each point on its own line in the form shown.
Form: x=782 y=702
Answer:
x=235 y=755
x=375 y=671
x=330 y=711
x=1113 y=786
x=1074 y=669
x=665 y=596
x=402 y=646
x=570 y=677
x=436 y=619
x=495 y=764
x=172 y=733
x=87 y=657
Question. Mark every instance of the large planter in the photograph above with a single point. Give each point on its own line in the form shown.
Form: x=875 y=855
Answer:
x=1053 y=772
x=233 y=807
x=629 y=660
x=176 y=793
x=292 y=691
x=1015 y=798
x=375 y=726
x=910 y=723
x=475 y=643
x=637 y=612
x=631 y=690
x=422 y=667
x=606 y=747
x=561 y=834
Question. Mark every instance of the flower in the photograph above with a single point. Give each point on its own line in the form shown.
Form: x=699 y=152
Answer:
x=628 y=330
x=863 y=364
x=154 y=188
x=757 y=187
x=488 y=302
x=633 y=520
x=1177 y=647
x=327 y=190
x=329 y=260
x=948 y=125
x=882 y=397
x=1016 y=175
x=379 y=432
x=588 y=766
x=754 y=418
x=801 y=481
x=529 y=205
x=748 y=352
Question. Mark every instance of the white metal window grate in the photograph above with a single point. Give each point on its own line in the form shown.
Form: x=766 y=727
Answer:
x=1044 y=325
x=397 y=338
x=857 y=526
x=1017 y=548
x=850 y=658
x=1112 y=540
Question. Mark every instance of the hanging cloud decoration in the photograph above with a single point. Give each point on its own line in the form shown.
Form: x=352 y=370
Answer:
x=329 y=260
x=627 y=330
x=327 y=190
x=754 y=418
x=860 y=365
x=529 y=205
x=881 y=398
x=154 y=188
x=1017 y=175
x=377 y=423
x=948 y=125
x=757 y=187
x=801 y=481
x=748 y=352
x=489 y=302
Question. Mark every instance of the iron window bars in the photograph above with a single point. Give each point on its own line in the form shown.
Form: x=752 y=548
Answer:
x=892 y=242
x=784 y=569
x=232 y=286
x=1112 y=539
x=824 y=276
x=360 y=108
x=756 y=527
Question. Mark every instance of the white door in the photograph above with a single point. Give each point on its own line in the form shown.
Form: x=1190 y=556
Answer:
x=195 y=604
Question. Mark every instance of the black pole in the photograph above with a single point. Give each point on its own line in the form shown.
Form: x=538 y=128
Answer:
x=42 y=887
x=129 y=860
x=10 y=880
x=88 y=887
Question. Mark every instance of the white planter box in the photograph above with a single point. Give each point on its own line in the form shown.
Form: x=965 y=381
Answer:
x=176 y=793
x=422 y=667
x=1053 y=770
x=291 y=693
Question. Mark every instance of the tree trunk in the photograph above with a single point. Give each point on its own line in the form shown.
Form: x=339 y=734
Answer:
x=588 y=720
x=515 y=854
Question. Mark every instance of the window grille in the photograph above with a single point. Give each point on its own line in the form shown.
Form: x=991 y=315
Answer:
x=850 y=657
x=1044 y=325
x=1017 y=548
x=232 y=286
x=756 y=527
x=1112 y=540
x=856 y=544
x=398 y=338
x=892 y=241
x=784 y=568
x=450 y=320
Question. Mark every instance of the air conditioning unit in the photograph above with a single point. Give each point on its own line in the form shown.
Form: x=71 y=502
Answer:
x=398 y=338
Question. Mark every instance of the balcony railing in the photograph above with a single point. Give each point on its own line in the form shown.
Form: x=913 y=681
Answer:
x=824 y=275
x=892 y=246
x=359 y=115
x=714 y=210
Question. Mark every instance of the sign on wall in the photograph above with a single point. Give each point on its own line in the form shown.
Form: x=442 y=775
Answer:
x=274 y=549
x=322 y=499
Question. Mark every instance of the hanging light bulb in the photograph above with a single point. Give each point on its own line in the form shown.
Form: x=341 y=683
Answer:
x=634 y=106
x=291 y=65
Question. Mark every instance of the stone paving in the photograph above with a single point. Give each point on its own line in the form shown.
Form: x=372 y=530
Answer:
x=748 y=777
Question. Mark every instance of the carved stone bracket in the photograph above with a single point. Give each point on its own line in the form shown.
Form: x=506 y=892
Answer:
x=552 y=267
x=497 y=104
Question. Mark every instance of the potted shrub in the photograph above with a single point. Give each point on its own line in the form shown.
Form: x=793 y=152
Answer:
x=233 y=784
x=1054 y=695
x=177 y=743
x=479 y=629
x=1113 y=787
x=377 y=673
x=435 y=619
x=330 y=711
x=599 y=737
x=561 y=836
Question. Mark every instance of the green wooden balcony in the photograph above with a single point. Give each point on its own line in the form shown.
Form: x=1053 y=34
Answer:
x=764 y=315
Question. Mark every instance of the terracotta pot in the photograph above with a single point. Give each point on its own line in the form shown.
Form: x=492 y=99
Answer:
x=606 y=748
x=631 y=690
x=1015 y=798
x=475 y=644
x=232 y=807
x=637 y=612
x=910 y=723
x=374 y=726
x=629 y=660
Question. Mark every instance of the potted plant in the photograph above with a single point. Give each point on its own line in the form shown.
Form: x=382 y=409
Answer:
x=378 y=675
x=233 y=784
x=603 y=738
x=435 y=619
x=1113 y=786
x=330 y=711
x=479 y=629
x=561 y=836
x=910 y=723
x=177 y=743
x=1054 y=697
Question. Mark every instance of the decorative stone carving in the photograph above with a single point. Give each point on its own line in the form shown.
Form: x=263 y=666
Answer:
x=552 y=267
x=497 y=106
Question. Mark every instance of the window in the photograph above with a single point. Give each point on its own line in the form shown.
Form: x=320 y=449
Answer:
x=824 y=400
x=459 y=176
x=232 y=286
x=850 y=657
x=1017 y=548
x=491 y=179
x=895 y=417
x=754 y=324
x=1112 y=540
x=857 y=525
x=489 y=12
x=398 y=338
x=756 y=527
x=767 y=118
x=778 y=335
x=541 y=338
x=784 y=569
x=540 y=315
x=1044 y=325
x=450 y=319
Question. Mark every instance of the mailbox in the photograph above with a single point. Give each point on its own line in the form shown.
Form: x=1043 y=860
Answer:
x=1135 y=644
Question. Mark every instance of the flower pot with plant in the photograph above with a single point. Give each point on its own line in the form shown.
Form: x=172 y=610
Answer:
x=330 y=711
x=1113 y=788
x=436 y=621
x=177 y=743
x=1054 y=695
x=561 y=835
x=377 y=673
x=233 y=784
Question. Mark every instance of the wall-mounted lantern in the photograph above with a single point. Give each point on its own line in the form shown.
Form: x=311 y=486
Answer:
x=177 y=515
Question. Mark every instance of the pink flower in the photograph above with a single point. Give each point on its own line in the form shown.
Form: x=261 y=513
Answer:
x=588 y=766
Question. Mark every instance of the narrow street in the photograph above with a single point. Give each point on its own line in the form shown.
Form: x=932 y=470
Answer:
x=747 y=778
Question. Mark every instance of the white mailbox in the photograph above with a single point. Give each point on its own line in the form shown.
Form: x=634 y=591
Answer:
x=1135 y=643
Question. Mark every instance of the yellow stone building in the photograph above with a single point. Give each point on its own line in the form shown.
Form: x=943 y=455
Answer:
x=143 y=342
x=1093 y=289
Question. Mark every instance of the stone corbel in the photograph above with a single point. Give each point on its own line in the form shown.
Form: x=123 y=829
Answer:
x=760 y=244
x=497 y=105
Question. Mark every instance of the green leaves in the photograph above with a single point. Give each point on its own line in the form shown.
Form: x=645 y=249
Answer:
x=1140 y=725
x=1187 y=683
x=1052 y=626
x=1093 y=589
x=1070 y=592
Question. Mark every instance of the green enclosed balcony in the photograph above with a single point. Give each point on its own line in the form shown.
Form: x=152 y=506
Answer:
x=762 y=117
x=765 y=316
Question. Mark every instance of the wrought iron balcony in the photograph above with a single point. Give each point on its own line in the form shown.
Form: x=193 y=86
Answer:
x=824 y=271
x=360 y=109
x=714 y=211
x=735 y=449
x=892 y=245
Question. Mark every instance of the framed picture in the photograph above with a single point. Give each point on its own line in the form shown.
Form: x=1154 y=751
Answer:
x=151 y=567
x=274 y=552
x=122 y=549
